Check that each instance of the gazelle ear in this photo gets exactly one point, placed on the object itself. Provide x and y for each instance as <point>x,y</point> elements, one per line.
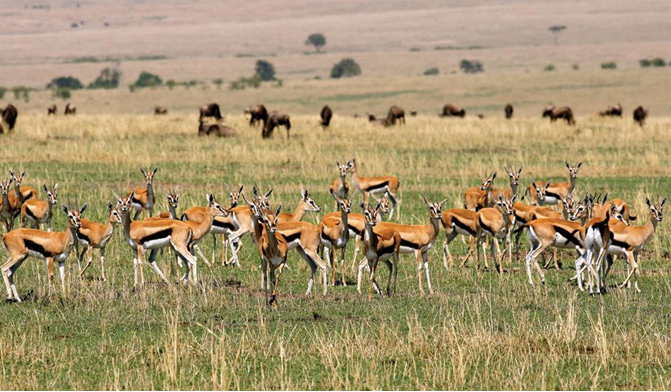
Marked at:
<point>333,193</point>
<point>605,197</point>
<point>661,205</point>
<point>110,207</point>
<point>118,199</point>
<point>210,198</point>
<point>520,171</point>
<point>338,163</point>
<point>277,212</point>
<point>241,186</point>
<point>132,194</point>
<point>443,202</point>
<point>45,188</point>
<point>647,201</point>
<point>512,201</point>
<point>363,206</point>
<point>378,206</point>
<point>255,191</point>
<point>548,184</point>
<point>426,201</point>
<point>304,193</point>
<point>493,176</point>
<point>155,170</point>
<point>567,165</point>
<point>269,192</point>
<point>23,174</point>
<point>65,208</point>
<point>56,186</point>
<point>84,207</point>
<point>143,172</point>
<point>579,164</point>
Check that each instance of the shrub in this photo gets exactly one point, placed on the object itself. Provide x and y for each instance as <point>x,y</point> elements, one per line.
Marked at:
<point>21,91</point>
<point>549,68</point>
<point>575,67</point>
<point>3,90</point>
<point>644,63</point>
<point>242,83</point>
<point>609,65</point>
<point>108,78</point>
<point>62,93</point>
<point>431,71</point>
<point>317,40</point>
<point>415,50</point>
<point>147,79</point>
<point>471,66</point>
<point>346,68</point>
<point>218,82</point>
<point>171,84</point>
<point>658,62</point>
<point>67,82</point>
<point>265,70</point>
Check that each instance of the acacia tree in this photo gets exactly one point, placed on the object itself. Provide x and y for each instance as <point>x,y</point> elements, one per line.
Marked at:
<point>317,40</point>
<point>555,30</point>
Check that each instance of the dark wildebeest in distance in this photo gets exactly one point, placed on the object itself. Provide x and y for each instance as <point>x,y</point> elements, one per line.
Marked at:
<point>52,110</point>
<point>70,109</point>
<point>612,111</point>
<point>210,110</point>
<point>450,110</point>
<point>257,114</point>
<point>481,116</point>
<point>159,110</point>
<point>326,115</point>
<point>395,113</point>
<point>275,119</point>
<point>8,116</point>
<point>563,112</point>
<point>509,111</point>
<point>413,113</point>
<point>639,115</point>
<point>219,130</point>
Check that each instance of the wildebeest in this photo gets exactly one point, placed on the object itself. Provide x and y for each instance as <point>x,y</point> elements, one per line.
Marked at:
<point>257,114</point>
<point>8,116</point>
<point>326,115</point>
<point>380,121</point>
<point>509,111</point>
<point>450,110</point>
<point>563,112</point>
<point>52,110</point>
<point>70,109</point>
<point>612,111</point>
<point>210,110</point>
<point>481,116</point>
<point>395,113</point>
<point>160,110</point>
<point>639,115</point>
<point>275,119</point>
<point>220,130</point>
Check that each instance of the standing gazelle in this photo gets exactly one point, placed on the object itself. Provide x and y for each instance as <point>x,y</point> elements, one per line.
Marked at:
<point>480,197</point>
<point>7,212</point>
<point>93,235</point>
<point>200,220</point>
<point>39,211</point>
<point>495,223</point>
<point>339,186</point>
<point>24,243</point>
<point>273,251</point>
<point>143,198</point>
<point>380,244</point>
<point>514,177</point>
<point>334,235</point>
<point>373,185</point>
<point>21,192</point>
<point>554,191</point>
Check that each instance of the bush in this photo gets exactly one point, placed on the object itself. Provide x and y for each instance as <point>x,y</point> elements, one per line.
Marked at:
<point>346,68</point>
<point>21,91</point>
<point>62,93</point>
<point>431,71</point>
<point>265,70</point>
<point>415,50</point>
<point>549,68</point>
<point>658,62</point>
<point>317,40</point>
<point>575,67</point>
<point>147,79</point>
<point>3,90</point>
<point>108,78</point>
<point>171,84</point>
<point>218,82</point>
<point>471,66</point>
<point>644,63</point>
<point>67,82</point>
<point>609,65</point>
<point>242,83</point>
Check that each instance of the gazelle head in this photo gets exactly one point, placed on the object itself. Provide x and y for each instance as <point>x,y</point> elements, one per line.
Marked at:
<point>435,208</point>
<point>115,215</point>
<point>74,216</point>
<point>17,179</point>
<point>352,165</point>
<point>488,182</point>
<point>215,208</point>
<point>514,175</point>
<point>506,206</point>
<point>615,213</point>
<point>149,175</point>
<point>270,221</point>
<point>656,210</point>
<point>383,203</point>
<point>125,204</point>
<point>4,186</point>
<point>173,199</point>
<point>262,200</point>
<point>370,214</point>
<point>343,169</point>
<point>573,170</point>
<point>312,206</point>
<point>344,204</point>
<point>235,196</point>
<point>579,210</point>
<point>52,196</point>
<point>540,190</point>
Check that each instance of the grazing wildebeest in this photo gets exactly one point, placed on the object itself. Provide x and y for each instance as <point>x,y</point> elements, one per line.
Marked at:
<point>563,112</point>
<point>218,130</point>
<point>639,115</point>
<point>52,110</point>
<point>450,110</point>
<point>70,109</point>
<point>210,110</point>
<point>160,110</point>
<point>8,116</point>
<point>257,114</point>
<point>413,113</point>
<point>509,111</point>
<point>612,111</point>
<point>326,115</point>
<point>275,119</point>
<point>395,113</point>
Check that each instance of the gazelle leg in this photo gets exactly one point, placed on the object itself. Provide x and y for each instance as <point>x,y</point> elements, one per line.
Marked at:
<point>418,256</point>
<point>202,256</point>
<point>373,267</point>
<point>8,271</point>
<point>88,250</point>
<point>50,269</point>
<point>102,264</point>
<point>61,273</point>
<point>426,270</point>
<point>342,265</point>
<point>362,264</point>
<point>391,272</point>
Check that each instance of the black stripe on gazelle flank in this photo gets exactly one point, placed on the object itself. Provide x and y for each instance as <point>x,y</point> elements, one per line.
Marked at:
<point>156,236</point>
<point>83,237</point>
<point>568,235</point>
<point>377,186</point>
<point>550,194</point>
<point>35,247</point>
<point>30,213</point>
<point>462,226</point>
<point>484,226</point>
<point>292,237</point>
<point>409,244</point>
<point>224,225</point>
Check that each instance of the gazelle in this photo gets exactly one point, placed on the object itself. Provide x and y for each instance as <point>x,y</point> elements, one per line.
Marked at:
<point>7,212</point>
<point>200,220</point>
<point>39,211</point>
<point>600,208</point>
<point>339,186</point>
<point>458,221</point>
<point>245,222</point>
<point>482,196</point>
<point>334,234</point>
<point>373,185</point>
<point>143,198</point>
<point>555,191</point>
<point>417,239</point>
<point>24,243</point>
<point>21,192</point>
<point>305,204</point>
<point>514,177</point>
<point>93,235</point>
<point>380,244</point>
<point>225,226</point>
<point>152,235</point>
<point>173,203</point>
<point>495,223</point>
<point>273,251</point>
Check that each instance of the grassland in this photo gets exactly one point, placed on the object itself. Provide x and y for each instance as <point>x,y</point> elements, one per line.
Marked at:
<point>478,331</point>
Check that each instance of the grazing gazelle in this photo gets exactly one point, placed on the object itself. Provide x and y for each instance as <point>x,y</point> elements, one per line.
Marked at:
<point>480,197</point>
<point>200,220</point>
<point>93,235</point>
<point>143,198</point>
<point>417,239</point>
<point>39,211</point>
<point>554,191</point>
<point>153,235</point>
<point>495,223</point>
<point>373,185</point>
<point>24,243</point>
<point>334,234</point>
<point>380,244</point>
<point>273,251</point>
<point>340,186</point>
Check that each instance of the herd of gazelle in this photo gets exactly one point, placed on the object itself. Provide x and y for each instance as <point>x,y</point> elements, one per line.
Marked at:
<point>595,227</point>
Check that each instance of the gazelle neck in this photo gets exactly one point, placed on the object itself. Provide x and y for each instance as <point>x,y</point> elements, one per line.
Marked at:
<point>5,202</point>
<point>513,188</point>
<point>19,195</point>
<point>344,229</point>
<point>125,224</point>
<point>571,183</point>
<point>173,211</point>
<point>273,244</point>
<point>369,235</point>
<point>150,194</point>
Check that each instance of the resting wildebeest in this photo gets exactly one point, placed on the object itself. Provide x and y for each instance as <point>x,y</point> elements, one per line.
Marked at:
<point>509,111</point>
<point>219,130</point>
<point>257,114</point>
<point>275,119</point>
<point>612,111</point>
<point>380,121</point>
<point>450,110</point>
<point>210,110</point>
<point>52,110</point>
<point>70,109</point>
<point>160,110</point>
<point>639,115</point>
<point>326,115</point>
<point>563,112</point>
<point>395,113</point>
<point>8,116</point>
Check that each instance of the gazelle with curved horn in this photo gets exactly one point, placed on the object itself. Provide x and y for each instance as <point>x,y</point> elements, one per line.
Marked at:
<point>21,192</point>
<point>480,197</point>
<point>495,223</point>
<point>200,220</point>
<point>143,198</point>
<point>273,251</point>
<point>373,185</point>
<point>93,235</point>
<point>39,211</point>
<point>554,191</point>
<point>334,234</point>
<point>380,244</point>
<point>340,186</point>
